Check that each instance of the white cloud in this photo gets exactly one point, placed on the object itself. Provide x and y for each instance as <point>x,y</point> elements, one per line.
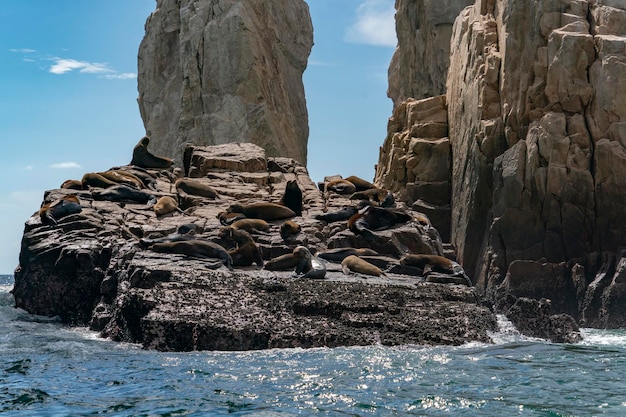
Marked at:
<point>122,76</point>
<point>375,24</point>
<point>29,167</point>
<point>65,165</point>
<point>61,66</point>
<point>23,50</point>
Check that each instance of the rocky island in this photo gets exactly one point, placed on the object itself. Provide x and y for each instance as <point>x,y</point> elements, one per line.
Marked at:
<point>505,158</point>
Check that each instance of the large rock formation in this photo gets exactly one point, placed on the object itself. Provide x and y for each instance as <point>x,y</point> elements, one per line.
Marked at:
<point>221,71</point>
<point>96,267</point>
<point>535,101</point>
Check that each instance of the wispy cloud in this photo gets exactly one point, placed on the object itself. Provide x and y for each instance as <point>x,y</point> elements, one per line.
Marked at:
<point>123,76</point>
<point>375,24</point>
<point>61,66</point>
<point>23,51</point>
<point>65,165</point>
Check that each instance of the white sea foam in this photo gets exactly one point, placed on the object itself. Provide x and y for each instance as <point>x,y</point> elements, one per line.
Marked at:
<point>507,333</point>
<point>602,337</point>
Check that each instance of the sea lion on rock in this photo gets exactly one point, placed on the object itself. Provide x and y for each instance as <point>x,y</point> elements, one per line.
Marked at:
<point>377,196</point>
<point>340,186</point>
<point>355,264</point>
<point>308,266</point>
<point>292,197</point>
<point>246,252</point>
<point>124,193</point>
<point>253,226</point>
<point>95,179</point>
<point>50,213</point>
<point>121,177</point>
<point>262,210</point>
<point>195,188</point>
<point>144,159</point>
<point>337,216</point>
<point>359,183</point>
<point>339,254</point>
<point>72,185</point>
<point>436,264</point>
<point>196,248</point>
<point>226,218</point>
<point>284,262</point>
<point>289,228</point>
<point>375,218</point>
<point>165,205</point>
<point>184,232</point>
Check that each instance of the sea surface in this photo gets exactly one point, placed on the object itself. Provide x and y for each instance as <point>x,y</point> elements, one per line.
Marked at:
<point>47,369</point>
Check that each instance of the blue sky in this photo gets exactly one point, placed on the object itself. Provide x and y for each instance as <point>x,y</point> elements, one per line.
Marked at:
<point>69,94</point>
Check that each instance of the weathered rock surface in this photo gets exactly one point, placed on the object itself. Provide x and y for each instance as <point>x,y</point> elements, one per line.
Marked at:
<point>535,102</point>
<point>420,63</point>
<point>221,71</point>
<point>95,267</point>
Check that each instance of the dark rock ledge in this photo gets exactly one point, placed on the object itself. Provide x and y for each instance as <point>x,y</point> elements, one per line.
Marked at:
<point>90,269</point>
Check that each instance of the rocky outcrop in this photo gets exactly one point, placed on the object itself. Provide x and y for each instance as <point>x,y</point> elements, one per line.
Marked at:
<point>535,104</point>
<point>101,267</point>
<point>420,63</point>
<point>221,71</point>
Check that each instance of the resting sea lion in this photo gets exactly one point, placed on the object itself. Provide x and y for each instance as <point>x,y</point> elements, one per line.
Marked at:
<point>289,228</point>
<point>339,254</point>
<point>340,187</point>
<point>165,205</point>
<point>123,193</point>
<point>263,210</point>
<point>247,252</point>
<point>95,179</point>
<point>196,248</point>
<point>359,183</point>
<point>227,218</point>
<point>375,218</point>
<point>195,188</point>
<point>378,196</point>
<point>72,185</point>
<point>120,177</point>
<point>337,216</point>
<point>284,262</point>
<point>434,263</point>
<point>308,266</point>
<point>184,232</point>
<point>355,264</point>
<point>144,159</point>
<point>292,197</point>
<point>254,226</point>
<point>50,213</point>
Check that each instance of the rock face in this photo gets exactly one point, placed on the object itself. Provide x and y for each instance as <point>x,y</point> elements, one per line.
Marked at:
<point>101,267</point>
<point>419,66</point>
<point>220,71</point>
<point>535,100</point>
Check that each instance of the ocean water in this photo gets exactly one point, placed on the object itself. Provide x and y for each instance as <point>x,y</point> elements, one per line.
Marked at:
<point>50,370</point>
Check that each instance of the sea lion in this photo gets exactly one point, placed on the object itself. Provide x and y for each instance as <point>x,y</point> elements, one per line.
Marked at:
<point>195,188</point>
<point>337,216</point>
<point>50,213</point>
<point>72,185</point>
<point>436,264</point>
<point>340,186</point>
<point>355,264</point>
<point>124,193</point>
<point>263,210</point>
<point>359,183</point>
<point>148,180</point>
<point>184,232</point>
<point>95,179</point>
<point>253,226</point>
<point>246,252</point>
<point>284,262</point>
<point>120,177</point>
<point>375,218</point>
<point>226,218</point>
<point>165,205</point>
<point>377,196</point>
<point>308,266</point>
<point>292,197</point>
<point>289,228</point>
<point>144,159</point>
<point>339,254</point>
<point>196,248</point>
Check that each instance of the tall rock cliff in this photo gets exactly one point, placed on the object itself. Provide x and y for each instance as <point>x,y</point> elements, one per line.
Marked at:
<point>535,97</point>
<point>220,71</point>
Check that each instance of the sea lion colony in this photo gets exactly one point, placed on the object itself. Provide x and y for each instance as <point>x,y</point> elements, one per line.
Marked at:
<point>367,211</point>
